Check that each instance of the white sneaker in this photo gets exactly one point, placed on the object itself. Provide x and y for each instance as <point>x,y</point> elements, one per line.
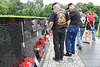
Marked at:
<point>30,36</point>
<point>93,41</point>
<point>26,36</point>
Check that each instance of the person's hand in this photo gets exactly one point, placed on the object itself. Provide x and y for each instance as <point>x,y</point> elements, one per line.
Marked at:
<point>65,29</point>
<point>50,29</point>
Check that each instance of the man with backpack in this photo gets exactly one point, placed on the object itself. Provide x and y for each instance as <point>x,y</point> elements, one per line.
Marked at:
<point>81,30</point>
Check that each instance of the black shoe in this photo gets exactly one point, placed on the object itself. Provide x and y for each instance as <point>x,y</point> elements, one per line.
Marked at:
<point>88,42</point>
<point>61,58</point>
<point>67,54</point>
<point>84,42</point>
<point>56,59</point>
<point>73,52</point>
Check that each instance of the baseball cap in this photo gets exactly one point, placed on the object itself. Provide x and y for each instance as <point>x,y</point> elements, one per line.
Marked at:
<point>69,5</point>
<point>54,4</point>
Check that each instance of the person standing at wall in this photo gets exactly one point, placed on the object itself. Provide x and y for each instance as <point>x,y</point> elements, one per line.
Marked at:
<point>89,24</point>
<point>81,30</point>
<point>96,25</point>
<point>58,23</point>
<point>72,29</point>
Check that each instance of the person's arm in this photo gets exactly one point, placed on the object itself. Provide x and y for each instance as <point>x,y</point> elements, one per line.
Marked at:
<point>50,25</point>
<point>94,21</point>
<point>86,24</point>
<point>52,17</point>
<point>68,22</point>
<point>87,21</point>
<point>67,19</point>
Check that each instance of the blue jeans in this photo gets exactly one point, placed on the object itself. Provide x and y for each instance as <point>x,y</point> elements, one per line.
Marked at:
<point>70,38</point>
<point>79,37</point>
<point>93,34</point>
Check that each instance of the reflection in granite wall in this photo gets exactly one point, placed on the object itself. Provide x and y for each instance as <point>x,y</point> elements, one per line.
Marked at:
<point>16,31</point>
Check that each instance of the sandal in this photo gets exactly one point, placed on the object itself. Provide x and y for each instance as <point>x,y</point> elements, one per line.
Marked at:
<point>88,42</point>
<point>84,42</point>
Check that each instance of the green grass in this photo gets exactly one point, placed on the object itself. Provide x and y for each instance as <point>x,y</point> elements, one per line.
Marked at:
<point>22,16</point>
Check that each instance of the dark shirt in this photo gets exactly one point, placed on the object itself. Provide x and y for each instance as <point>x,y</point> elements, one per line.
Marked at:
<point>83,20</point>
<point>96,18</point>
<point>60,17</point>
<point>75,17</point>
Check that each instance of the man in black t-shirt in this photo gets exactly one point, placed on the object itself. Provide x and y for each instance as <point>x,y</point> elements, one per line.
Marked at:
<point>72,30</point>
<point>58,23</point>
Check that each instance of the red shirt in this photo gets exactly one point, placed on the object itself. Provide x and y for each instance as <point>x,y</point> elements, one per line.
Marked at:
<point>90,18</point>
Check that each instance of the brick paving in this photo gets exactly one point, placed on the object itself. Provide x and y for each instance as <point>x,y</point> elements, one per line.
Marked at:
<point>49,62</point>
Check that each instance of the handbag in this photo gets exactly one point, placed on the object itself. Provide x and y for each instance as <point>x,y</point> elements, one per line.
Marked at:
<point>91,27</point>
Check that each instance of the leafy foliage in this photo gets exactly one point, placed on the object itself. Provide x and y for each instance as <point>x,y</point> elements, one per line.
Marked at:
<point>36,8</point>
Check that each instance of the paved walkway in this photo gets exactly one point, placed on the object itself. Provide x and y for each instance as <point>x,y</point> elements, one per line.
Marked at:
<point>88,57</point>
<point>49,62</point>
<point>90,54</point>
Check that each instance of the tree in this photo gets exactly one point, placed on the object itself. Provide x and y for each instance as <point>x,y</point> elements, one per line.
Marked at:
<point>63,6</point>
<point>97,8</point>
<point>79,5</point>
<point>12,8</point>
<point>39,3</point>
<point>35,8</point>
<point>85,7</point>
<point>3,8</point>
<point>46,11</point>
